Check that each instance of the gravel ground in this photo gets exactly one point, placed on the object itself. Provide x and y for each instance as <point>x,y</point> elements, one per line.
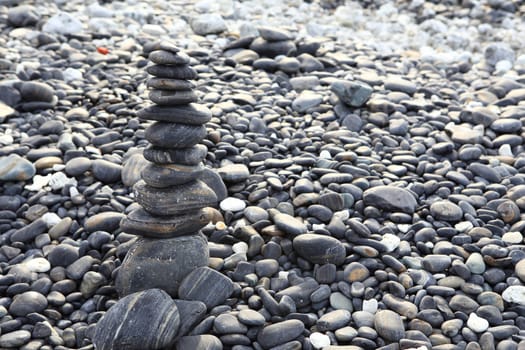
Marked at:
<point>372,154</point>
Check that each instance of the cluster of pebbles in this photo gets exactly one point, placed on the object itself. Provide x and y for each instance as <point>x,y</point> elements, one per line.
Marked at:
<point>367,199</point>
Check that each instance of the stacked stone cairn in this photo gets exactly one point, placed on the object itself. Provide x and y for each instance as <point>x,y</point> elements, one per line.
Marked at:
<point>170,258</point>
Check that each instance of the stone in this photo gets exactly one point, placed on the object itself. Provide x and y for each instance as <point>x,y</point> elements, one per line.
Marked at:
<point>144,320</point>
<point>306,100</point>
<point>279,333</point>
<point>15,168</point>
<point>155,263</point>
<point>174,135</point>
<point>390,198</point>
<point>191,313</point>
<point>352,93</point>
<point>200,342</point>
<point>232,204</point>
<point>334,320</point>
<point>172,97</point>
<point>184,156</point>
<point>106,171</point>
<point>26,303</point>
<point>477,324</point>
<point>140,222</point>
<point>319,340</point>
<point>499,51</point>
<point>389,325</point>
<point>174,200</point>
<point>289,224</point>
<point>274,34</point>
<point>210,23</point>
<point>396,83</point>
<point>105,221</point>
<point>514,294</point>
<point>29,232</point>
<point>5,111</point>
<point>234,172</point>
<point>319,249</point>
<point>273,48</point>
<point>170,84</point>
<point>355,272</point>
<point>167,57</point>
<point>36,91</point>
<point>77,166</point>
<point>199,282</point>
<point>192,113</point>
<point>227,324</point>
<point>132,168</point>
<point>214,181</point>
<point>519,269</point>
<point>436,262</point>
<point>475,263</point>
<point>168,175</point>
<point>22,16</point>
<point>63,255</point>
<point>172,72</point>
<point>63,23</point>
<point>15,339</point>
<point>251,317</point>
<point>446,210</point>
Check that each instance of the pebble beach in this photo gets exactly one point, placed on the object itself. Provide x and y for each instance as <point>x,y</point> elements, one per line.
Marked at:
<point>362,165</point>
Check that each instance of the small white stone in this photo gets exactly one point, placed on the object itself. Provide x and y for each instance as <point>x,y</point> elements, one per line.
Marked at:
<point>51,219</point>
<point>512,237</point>
<point>72,74</point>
<point>96,10</point>
<point>505,150</point>
<point>210,23</point>
<point>475,263</point>
<point>240,247</point>
<point>463,226</point>
<point>370,305</point>
<point>39,182</point>
<point>503,66</point>
<point>37,265</point>
<point>404,227</point>
<point>63,23</point>
<point>391,242</point>
<point>60,180</point>
<point>232,204</point>
<point>477,324</point>
<point>514,294</point>
<point>325,155</point>
<point>319,340</point>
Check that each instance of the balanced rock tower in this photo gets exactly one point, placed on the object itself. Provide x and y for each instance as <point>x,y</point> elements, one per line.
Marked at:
<point>172,198</point>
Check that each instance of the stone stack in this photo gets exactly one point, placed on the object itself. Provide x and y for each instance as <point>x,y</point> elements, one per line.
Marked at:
<point>173,201</point>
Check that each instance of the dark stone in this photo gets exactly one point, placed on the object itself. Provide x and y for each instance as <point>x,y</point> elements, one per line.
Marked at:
<point>174,200</point>
<point>390,198</point>
<point>187,156</point>
<point>36,91</point>
<point>26,303</point>
<point>279,333</point>
<point>168,58</point>
<point>173,135</point>
<point>167,175</point>
<point>192,113</point>
<point>273,48</point>
<point>144,320</point>
<point>319,249</point>
<point>170,84</point>
<point>199,342</point>
<point>106,171</point>
<point>63,255</point>
<point>206,285</point>
<point>172,97</point>
<point>105,221</point>
<point>389,325</point>
<point>140,222</point>
<point>155,263</point>
<point>214,181</point>
<point>191,313</point>
<point>172,72</point>
<point>29,232</point>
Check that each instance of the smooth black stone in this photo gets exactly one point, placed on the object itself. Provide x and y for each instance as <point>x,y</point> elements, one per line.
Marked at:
<point>174,200</point>
<point>214,181</point>
<point>26,303</point>
<point>63,255</point>
<point>143,320</point>
<point>29,232</point>
<point>106,171</point>
<point>187,156</point>
<point>168,58</point>
<point>200,342</point>
<point>193,114</point>
<point>172,97</point>
<point>279,333</point>
<point>319,249</point>
<point>36,91</point>
<point>174,135</point>
<point>161,263</point>
<point>390,198</point>
<point>105,221</point>
<point>167,175</point>
<point>164,45</point>
<point>191,313</point>
<point>272,49</point>
<point>198,284</point>
<point>172,72</point>
<point>170,84</point>
<point>140,222</point>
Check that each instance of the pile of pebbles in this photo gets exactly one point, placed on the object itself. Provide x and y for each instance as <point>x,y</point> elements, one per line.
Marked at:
<point>368,198</point>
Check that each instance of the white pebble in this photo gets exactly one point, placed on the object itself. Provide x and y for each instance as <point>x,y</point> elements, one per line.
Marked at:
<point>72,74</point>
<point>37,265</point>
<point>503,66</point>
<point>240,247</point>
<point>232,204</point>
<point>505,150</point>
<point>512,237</point>
<point>319,340</point>
<point>514,294</point>
<point>63,23</point>
<point>39,182</point>
<point>477,324</point>
<point>325,155</point>
<point>391,242</point>
<point>51,219</point>
<point>370,305</point>
<point>463,226</point>
<point>60,180</point>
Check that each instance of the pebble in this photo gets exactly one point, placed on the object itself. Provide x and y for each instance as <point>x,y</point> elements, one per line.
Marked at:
<point>197,284</point>
<point>279,333</point>
<point>26,303</point>
<point>390,198</point>
<point>232,204</point>
<point>319,340</point>
<point>477,324</point>
<point>148,319</point>
<point>15,339</point>
<point>319,249</point>
<point>208,24</point>
<point>352,93</point>
<point>446,210</point>
<point>389,325</point>
<point>16,168</point>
